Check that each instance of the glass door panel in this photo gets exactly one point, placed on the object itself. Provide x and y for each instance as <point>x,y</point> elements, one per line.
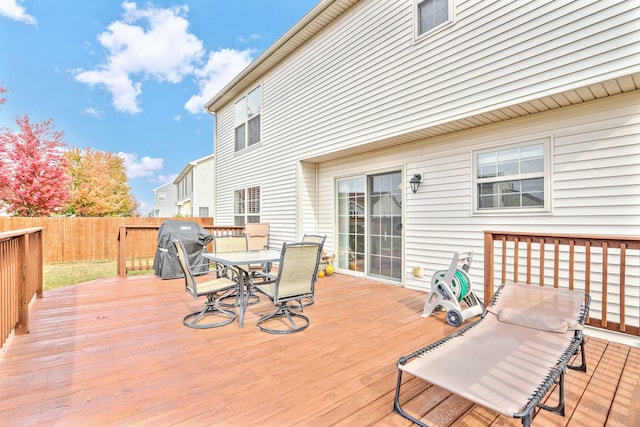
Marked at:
<point>385,225</point>
<point>351,224</point>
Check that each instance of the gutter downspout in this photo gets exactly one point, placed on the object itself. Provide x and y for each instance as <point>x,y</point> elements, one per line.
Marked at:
<point>215,166</point>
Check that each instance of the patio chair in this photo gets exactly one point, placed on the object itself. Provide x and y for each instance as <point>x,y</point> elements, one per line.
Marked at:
<point>226,281</point>
<point>258,238</point>
<point>257,235</point>
<point>511,358</point>
<point>236,243</point>
<point>295,280</point>
<point>313,238</point>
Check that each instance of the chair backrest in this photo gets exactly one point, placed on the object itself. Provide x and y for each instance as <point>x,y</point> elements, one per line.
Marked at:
<point>229,244</point>
<point>314,238</point>
<point>190,283</point>
<point>257,235</point>
<point>296,271</point>
<point>235,243</point>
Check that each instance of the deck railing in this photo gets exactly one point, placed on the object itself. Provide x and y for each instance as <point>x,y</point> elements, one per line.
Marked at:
<point>20,278</point>
<point>607,267</point>
<point>137,245</point>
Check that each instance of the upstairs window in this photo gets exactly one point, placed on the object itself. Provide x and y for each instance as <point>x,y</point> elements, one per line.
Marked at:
<point>247,119</point>
<point>246,206</point>
<point>513,178</point>
<point>433,13</point>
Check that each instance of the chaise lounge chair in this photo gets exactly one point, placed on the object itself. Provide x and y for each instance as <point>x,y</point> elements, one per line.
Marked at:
<point>509,360</point>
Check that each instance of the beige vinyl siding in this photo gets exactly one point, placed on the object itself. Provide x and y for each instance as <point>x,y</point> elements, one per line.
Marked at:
<point>226,177</point>
<point>367,80</point>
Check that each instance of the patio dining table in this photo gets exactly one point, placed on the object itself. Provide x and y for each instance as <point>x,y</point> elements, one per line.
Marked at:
<point>241,261</point>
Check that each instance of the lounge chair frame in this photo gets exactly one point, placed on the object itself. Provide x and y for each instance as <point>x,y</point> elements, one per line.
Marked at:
<point>555,375</point>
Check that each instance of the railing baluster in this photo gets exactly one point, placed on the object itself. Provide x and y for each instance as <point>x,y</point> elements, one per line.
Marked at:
<point>572,244</point>
<point>556,261</point>
<point>542,262</point>
<point>504,259</point>
<point>623,275</point>
<point>515,260</point>
<point>528,260</point>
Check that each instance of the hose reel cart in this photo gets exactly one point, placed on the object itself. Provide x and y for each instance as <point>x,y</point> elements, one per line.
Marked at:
<point>451,290</point>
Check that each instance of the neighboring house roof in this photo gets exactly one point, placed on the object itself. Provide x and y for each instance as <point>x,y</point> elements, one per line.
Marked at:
<point>190,166</point>
<point>163,186</point>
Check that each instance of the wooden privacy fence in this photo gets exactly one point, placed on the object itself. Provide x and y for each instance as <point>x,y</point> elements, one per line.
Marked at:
<point>68,239</point>
<point>137,245</point>
<point>607,267</point>
<point>20,278</point>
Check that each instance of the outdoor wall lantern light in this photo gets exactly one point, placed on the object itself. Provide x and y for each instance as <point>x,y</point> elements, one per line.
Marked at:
<point>415,182</point>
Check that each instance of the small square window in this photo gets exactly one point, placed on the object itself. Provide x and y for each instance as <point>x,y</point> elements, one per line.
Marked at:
<point>432,13</point>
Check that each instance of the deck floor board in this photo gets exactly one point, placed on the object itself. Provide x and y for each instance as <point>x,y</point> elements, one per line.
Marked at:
<point>114,352</point>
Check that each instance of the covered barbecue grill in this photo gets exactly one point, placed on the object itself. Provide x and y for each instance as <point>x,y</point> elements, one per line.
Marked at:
<point>195,239</point>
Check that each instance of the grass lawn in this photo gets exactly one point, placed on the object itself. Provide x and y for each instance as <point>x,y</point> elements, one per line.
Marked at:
<point>57,275</point>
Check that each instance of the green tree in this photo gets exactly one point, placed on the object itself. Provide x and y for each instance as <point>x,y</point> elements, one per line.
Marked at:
<point>99,184</point>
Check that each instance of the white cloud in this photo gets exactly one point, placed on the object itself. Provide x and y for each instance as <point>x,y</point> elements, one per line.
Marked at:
<point>221,67</point>
<point>146,166</point>
<point>164,179</point>
<point>149,43</point>
<point>13,9</point>
<point>93,112</point>
<point>243,40</point>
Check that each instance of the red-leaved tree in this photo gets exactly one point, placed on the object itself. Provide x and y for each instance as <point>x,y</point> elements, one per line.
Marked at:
<point>34,180</point>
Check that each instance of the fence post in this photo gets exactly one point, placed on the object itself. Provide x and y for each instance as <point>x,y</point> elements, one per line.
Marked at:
<point>23,299</point>
<point>122,252</point>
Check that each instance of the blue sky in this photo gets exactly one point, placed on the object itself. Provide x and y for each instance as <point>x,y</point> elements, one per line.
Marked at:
<point>132,77</point>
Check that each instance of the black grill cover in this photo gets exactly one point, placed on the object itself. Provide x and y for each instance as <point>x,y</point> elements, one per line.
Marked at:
<point>193,236</point>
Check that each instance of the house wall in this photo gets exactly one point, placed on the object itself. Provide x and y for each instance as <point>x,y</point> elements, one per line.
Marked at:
<point>203,178</point>
<point>365,79</point>
<point>185,192</point>
<point>166,208</point>
<point>595,183</point>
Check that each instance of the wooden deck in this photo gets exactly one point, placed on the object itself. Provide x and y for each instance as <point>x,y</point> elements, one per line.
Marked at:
<point>114,352</point>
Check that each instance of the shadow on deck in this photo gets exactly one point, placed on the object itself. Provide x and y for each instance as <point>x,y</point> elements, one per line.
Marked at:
<point>115,352</point>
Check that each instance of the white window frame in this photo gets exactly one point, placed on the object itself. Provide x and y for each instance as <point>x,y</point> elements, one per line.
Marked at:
<point>242,116</point>
<point>546,142</point>
<point>203,212</point>
<point>250,213</point>
<point>451,17</point>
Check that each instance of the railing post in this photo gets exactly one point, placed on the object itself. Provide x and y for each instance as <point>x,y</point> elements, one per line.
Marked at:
<point>22,327</point>
<point>38,266</point>
<point>122,252</point>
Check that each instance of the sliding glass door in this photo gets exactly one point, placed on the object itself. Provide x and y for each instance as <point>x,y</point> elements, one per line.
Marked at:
<point>370,225</point>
